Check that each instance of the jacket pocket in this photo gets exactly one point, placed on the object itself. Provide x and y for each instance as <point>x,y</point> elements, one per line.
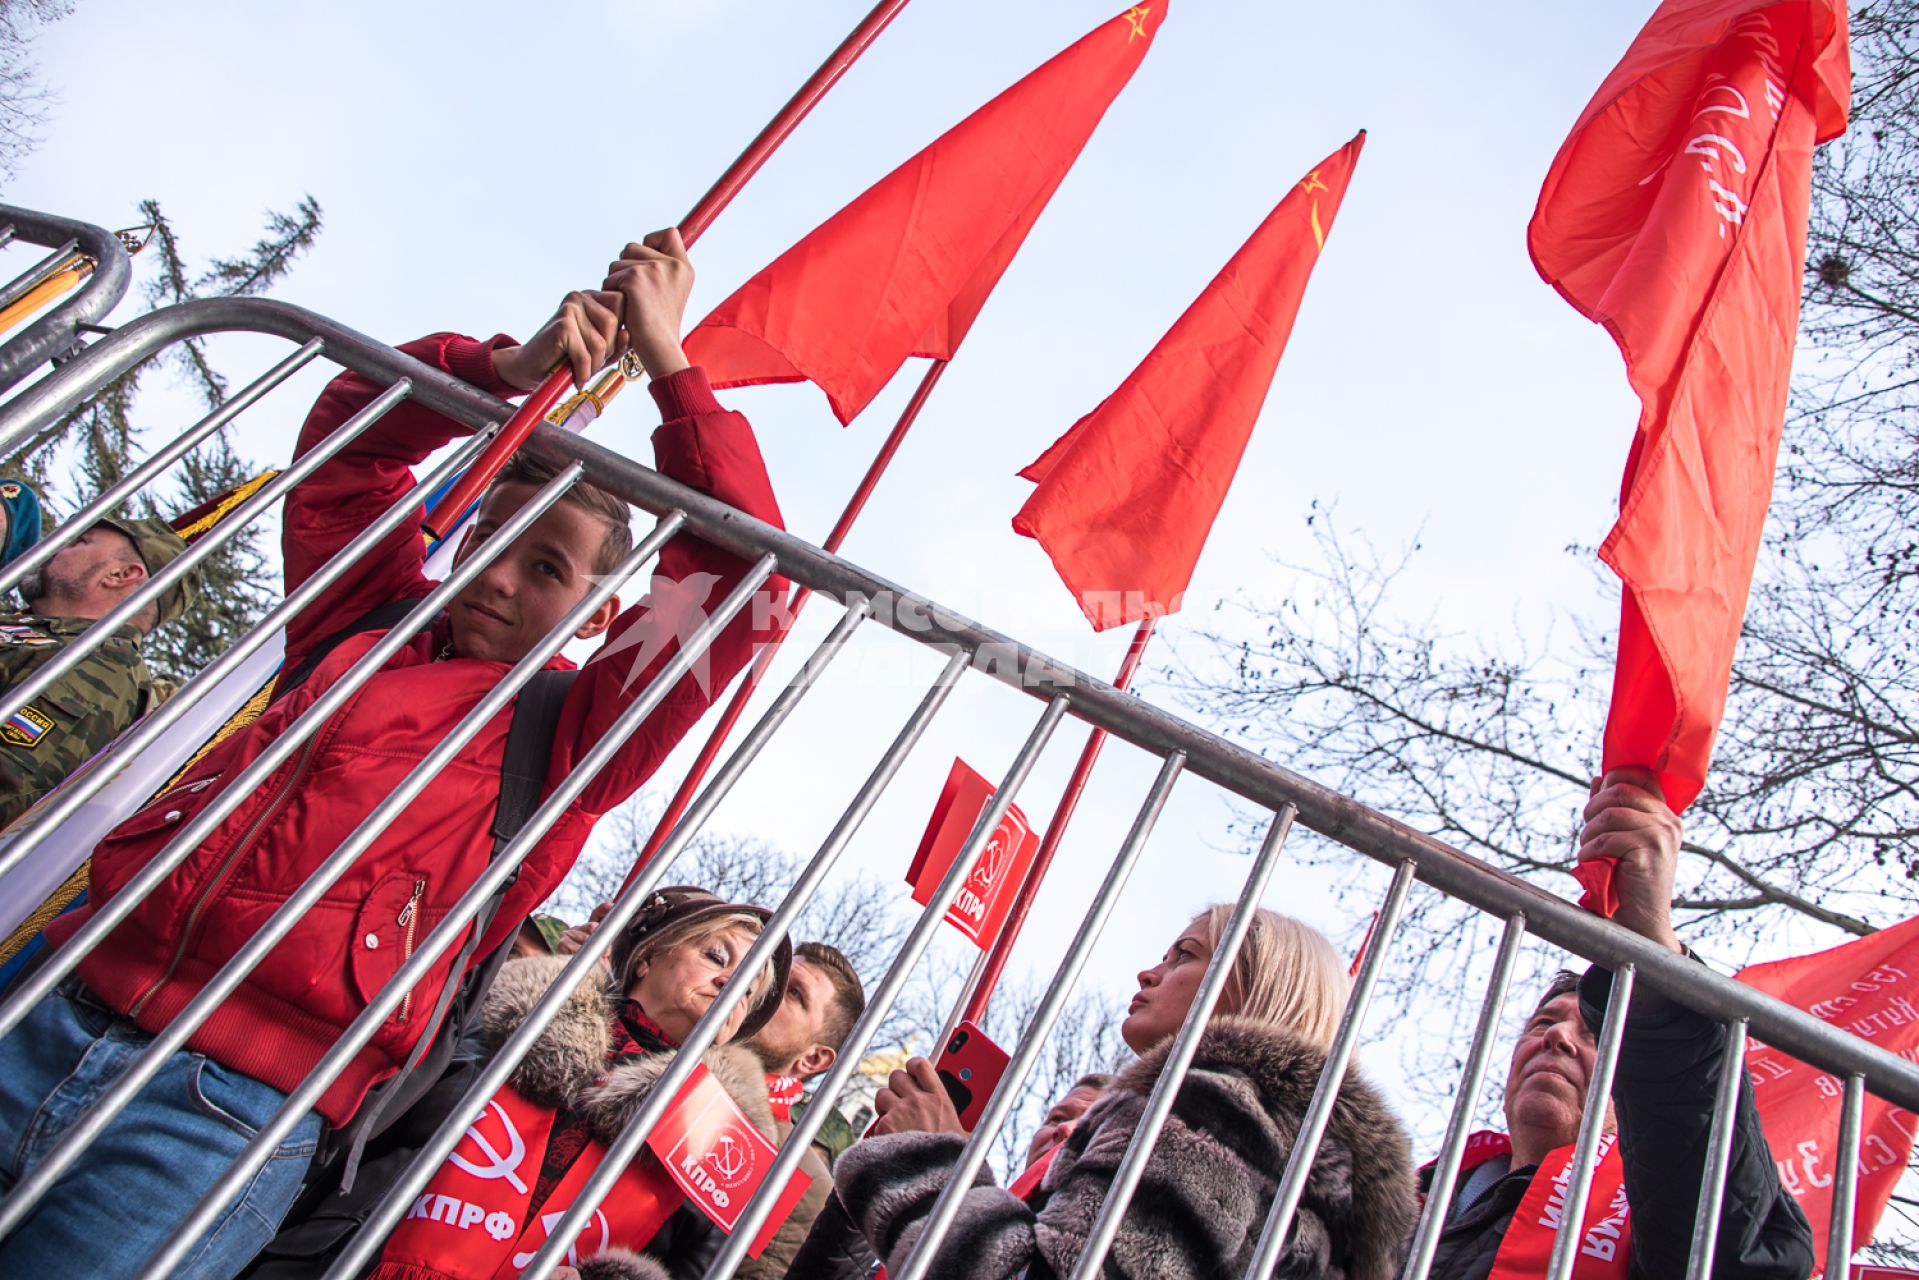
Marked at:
<point>385,932</point>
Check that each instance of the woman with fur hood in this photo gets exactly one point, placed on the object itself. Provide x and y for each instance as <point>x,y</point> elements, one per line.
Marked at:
<point>575,1091</point>
<point>1211,1180</point>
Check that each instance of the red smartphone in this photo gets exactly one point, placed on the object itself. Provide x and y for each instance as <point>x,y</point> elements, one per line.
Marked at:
<point>970,1067</point>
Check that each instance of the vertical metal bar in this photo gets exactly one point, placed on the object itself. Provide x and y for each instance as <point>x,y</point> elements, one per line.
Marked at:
<point>626,1148</point>
<point>710,750</point>
<point>1319,1112</point>
<point>993,962</point>
<point>880,1002</point>
<point>1432,1220</point>
<point>70,657</point>
<point>1612,1032</point>
<point>49,266</point>
<point>501,1064</point>
<point>1712,1183</point>
<point>7,234</point>
<point>33,989</point>
<point>28,1191</point>
<point>498,873</point>
<point>1845,1183</point>
<point>1160,1103</point>
<point>137,479</point>
<point>920,1264</point>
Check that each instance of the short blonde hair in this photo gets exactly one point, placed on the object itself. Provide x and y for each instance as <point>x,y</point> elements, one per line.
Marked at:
<point>691,934</point>
<point>1286,973</point>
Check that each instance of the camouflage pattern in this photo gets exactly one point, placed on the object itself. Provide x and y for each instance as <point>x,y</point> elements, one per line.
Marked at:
<point>80,713</point>
<point>158,546</point>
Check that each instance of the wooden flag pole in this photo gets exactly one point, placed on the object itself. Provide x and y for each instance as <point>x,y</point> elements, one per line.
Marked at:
<point>542,399</point>
<point>989,974</point>
<point>683,797</point>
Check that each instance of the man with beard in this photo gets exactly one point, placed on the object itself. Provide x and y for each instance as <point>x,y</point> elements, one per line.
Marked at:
<point>110,688</point>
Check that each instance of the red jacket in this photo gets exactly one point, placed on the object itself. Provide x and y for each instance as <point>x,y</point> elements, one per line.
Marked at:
<point>292,1007</point>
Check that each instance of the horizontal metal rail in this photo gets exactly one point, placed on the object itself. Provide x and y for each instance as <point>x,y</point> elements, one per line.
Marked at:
<point>1183,747</point>
<point>56,333</point>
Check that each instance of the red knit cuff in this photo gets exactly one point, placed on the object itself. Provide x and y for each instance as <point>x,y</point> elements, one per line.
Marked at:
<point>686,394</point>
<point>472,361</point>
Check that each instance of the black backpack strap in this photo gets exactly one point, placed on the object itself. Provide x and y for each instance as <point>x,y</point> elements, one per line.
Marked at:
<point>383,618</point>
<point>523,769</point>
<point>529,752</point>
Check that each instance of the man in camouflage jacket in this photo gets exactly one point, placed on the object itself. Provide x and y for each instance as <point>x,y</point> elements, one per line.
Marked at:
<point>110,688</point>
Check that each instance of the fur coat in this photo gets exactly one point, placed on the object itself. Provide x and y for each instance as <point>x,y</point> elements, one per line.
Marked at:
<point>562,1068</point>
<point>1207,1189</point>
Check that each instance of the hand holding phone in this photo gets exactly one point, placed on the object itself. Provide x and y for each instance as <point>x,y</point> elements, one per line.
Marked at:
<point>970,1067</point>
<point>967,1072</point>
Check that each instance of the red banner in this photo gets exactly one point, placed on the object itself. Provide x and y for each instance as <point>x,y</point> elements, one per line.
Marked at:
<point>1528,1245</point>
<point>1868,988</point>
<point>980,910</point>
<point>718,1158</point>
<point>1675,215</point>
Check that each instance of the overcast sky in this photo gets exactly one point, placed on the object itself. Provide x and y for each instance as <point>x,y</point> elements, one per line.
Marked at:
<point>475,161</point>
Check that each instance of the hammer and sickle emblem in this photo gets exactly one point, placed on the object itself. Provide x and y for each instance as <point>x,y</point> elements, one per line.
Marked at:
<point>573,1250</point>
<point>727,1159</point>
<point>498,1166</point>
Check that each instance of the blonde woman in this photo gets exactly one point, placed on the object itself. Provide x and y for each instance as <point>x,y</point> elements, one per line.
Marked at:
<point>1213,1174</point>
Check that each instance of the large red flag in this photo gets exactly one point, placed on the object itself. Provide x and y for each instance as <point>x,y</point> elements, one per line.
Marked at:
<point>1127,496</point>
<point>903,269</point>
<point>1675,215</point>
<point>1869,987</point>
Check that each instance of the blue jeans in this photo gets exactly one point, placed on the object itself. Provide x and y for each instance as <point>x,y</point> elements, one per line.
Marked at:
<point>127,1195</point>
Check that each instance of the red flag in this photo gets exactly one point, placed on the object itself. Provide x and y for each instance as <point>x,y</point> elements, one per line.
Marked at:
<point>981,909</point>
<point>1127,496</point>
<point>1675,215</point>
<point>903,269</point>
<point>1870,988</point>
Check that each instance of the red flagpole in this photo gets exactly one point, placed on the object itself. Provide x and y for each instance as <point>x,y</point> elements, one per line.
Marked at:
<point>676,807</point>
<point>541,401</point>
<point>982,992</point>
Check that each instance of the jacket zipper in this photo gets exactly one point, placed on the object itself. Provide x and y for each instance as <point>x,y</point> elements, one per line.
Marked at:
<point>408,920</point>
<point>233,857</point>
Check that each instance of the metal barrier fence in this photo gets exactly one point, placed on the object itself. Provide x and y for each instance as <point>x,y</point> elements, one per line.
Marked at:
<point>866,599</point>
<point>56,334</point>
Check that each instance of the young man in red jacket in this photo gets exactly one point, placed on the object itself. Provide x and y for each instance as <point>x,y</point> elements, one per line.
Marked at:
<point>134,1185</point>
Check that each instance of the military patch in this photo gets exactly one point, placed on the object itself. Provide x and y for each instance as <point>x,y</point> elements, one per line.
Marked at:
<point>27,727</point>
<point>19,633</point>
<point>9,491</point>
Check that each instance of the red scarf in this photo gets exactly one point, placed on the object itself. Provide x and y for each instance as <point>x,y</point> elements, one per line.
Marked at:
<point>476,1220</point>
<point>1607,1227</point>
<point>781,1093</point>
<point>1028,1181</point>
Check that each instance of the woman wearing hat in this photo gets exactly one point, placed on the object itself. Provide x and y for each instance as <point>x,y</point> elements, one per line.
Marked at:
<point>541,1136</point>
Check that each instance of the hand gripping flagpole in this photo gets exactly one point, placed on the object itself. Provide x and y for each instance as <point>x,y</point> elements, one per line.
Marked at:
<point>536,406</point>
<point>676,807</point>
<point>993,964</point>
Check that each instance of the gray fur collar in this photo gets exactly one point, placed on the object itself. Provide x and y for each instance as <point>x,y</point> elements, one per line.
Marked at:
<point>1284,1069</point>
<point>567,1062</point>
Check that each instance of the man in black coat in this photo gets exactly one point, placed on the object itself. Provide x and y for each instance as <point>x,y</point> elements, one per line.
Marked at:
<point>1662,1095</point>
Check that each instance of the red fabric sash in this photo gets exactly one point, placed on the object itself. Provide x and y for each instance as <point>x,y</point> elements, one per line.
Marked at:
<point>1528,1245</point>
<point>1028,1182</point>
<point>472,1221</point>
